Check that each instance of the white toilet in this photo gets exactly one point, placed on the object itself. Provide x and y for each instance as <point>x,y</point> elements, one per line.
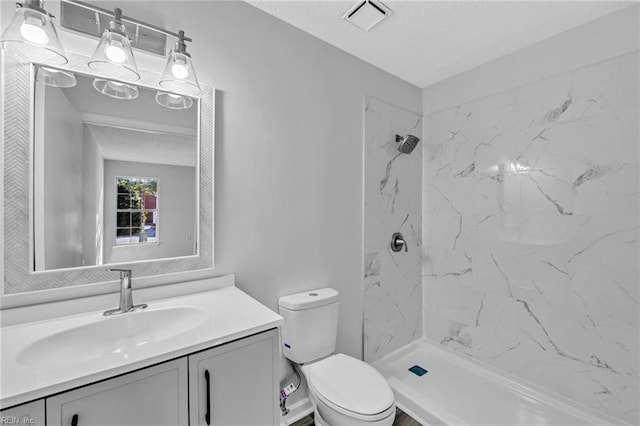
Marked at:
<point>343,390</point>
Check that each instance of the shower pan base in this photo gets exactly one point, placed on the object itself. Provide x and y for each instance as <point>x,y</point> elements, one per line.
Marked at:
<point>459,391</point>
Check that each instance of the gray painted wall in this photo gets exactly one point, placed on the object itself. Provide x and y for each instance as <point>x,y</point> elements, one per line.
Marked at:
<point>93,189</point>
<point>289,155</point>
<point>62,183</point>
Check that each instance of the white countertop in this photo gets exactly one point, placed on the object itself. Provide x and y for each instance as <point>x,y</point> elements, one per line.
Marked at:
<point>230,314</point>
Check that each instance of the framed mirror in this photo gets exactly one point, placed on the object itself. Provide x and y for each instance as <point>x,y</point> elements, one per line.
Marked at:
<point>93,182</point>
<point>113,181</point>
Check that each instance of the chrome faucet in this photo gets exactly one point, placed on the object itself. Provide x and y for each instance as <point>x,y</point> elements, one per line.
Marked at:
<point>126,298</point>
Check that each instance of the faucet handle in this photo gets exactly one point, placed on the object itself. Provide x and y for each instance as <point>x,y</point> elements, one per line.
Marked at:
<point>398,242</point>
<point>123,272</point>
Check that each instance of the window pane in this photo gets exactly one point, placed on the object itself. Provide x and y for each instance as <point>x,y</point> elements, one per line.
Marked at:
<point>136,220</point>
<point>135,202</point>
<point>123,232</point>
<point>124,201</point>
<point>148,201</point>
<point>151,232</point>
<point>150,217</point>
<point>151,186</point>
<point>123,236</point>
<point>124,219</point>
<point>123,186</point>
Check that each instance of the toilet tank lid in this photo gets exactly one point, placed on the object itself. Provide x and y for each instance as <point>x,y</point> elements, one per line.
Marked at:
<point>309,299</point>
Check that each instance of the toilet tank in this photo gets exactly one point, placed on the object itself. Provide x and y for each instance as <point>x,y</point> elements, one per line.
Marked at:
<point>310,324</point>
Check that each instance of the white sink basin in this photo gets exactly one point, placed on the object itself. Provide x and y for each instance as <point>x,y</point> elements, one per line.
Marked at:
<point>112,336</point>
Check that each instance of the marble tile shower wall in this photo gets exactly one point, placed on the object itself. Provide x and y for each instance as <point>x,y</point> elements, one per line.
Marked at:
<point>392,194</point>
<point>531,233</point>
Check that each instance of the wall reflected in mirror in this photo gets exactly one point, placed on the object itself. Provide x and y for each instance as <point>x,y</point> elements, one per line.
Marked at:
<point>114,180</point>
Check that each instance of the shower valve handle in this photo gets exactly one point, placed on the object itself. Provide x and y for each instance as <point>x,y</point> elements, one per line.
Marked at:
<point>398,242</point>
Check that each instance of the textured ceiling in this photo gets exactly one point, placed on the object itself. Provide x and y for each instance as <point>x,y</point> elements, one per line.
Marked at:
<point>425,42</point>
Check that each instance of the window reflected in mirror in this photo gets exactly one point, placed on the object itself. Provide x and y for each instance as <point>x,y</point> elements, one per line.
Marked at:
<point>136,210</point>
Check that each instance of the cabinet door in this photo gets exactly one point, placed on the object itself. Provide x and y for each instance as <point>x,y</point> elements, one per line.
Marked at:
<point>31,413</point>
<point>236,383</point>
<point>153,396</point>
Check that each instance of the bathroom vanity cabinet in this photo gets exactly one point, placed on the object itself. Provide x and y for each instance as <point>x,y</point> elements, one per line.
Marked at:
<point>234,383</point>
<point>152,396</point>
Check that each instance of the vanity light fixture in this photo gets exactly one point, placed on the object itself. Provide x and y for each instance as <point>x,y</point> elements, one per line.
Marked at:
<point>115,89</point>
<point>54,77</point>
<point>113,56</point>
<point>32,30</point>
<point>173,101</point>
<point>178,75</point>
<point>31,33</point>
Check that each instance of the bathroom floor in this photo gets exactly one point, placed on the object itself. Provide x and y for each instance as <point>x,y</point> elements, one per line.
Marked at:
<point>402,419</point>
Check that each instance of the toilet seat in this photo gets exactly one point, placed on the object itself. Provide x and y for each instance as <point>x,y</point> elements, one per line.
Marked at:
<point>350,387</point>
<point>353,415</point>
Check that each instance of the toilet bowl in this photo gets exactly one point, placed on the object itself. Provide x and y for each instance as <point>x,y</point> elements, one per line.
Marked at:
<point>343,390</point>
<point>346,391</point>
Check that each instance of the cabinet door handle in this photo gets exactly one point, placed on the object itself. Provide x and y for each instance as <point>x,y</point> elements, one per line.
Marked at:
<point>74,420</point>
<point>207,416</point>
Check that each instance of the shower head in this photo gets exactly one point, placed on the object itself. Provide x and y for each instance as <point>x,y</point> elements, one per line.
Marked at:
<point>407,143</point>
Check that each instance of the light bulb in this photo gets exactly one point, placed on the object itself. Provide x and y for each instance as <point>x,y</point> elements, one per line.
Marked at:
<point>115,89</point>
<point>115,52</point>
<point>179,71</point>
<point>173,101</point>
<point>34,33</point>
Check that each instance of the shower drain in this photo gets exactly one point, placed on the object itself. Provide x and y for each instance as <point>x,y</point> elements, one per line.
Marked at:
<point>418,371</point>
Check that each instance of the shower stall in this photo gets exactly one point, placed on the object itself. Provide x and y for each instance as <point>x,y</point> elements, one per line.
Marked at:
<point>392,205</point>
<point>520,211</point>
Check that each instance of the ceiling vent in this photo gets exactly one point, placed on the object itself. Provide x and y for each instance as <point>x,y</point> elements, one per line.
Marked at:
<point>366,14</point>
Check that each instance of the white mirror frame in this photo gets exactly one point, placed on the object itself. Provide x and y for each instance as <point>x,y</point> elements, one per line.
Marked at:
<point>17,105</point>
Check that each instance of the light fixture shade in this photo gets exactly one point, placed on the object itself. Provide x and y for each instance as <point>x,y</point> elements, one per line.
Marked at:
<point>115,89</point>
<point>113,56</point>
<point>32,35</point>
<point>179,76</point>
<point>55,78</point>
<point>173,101</point>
